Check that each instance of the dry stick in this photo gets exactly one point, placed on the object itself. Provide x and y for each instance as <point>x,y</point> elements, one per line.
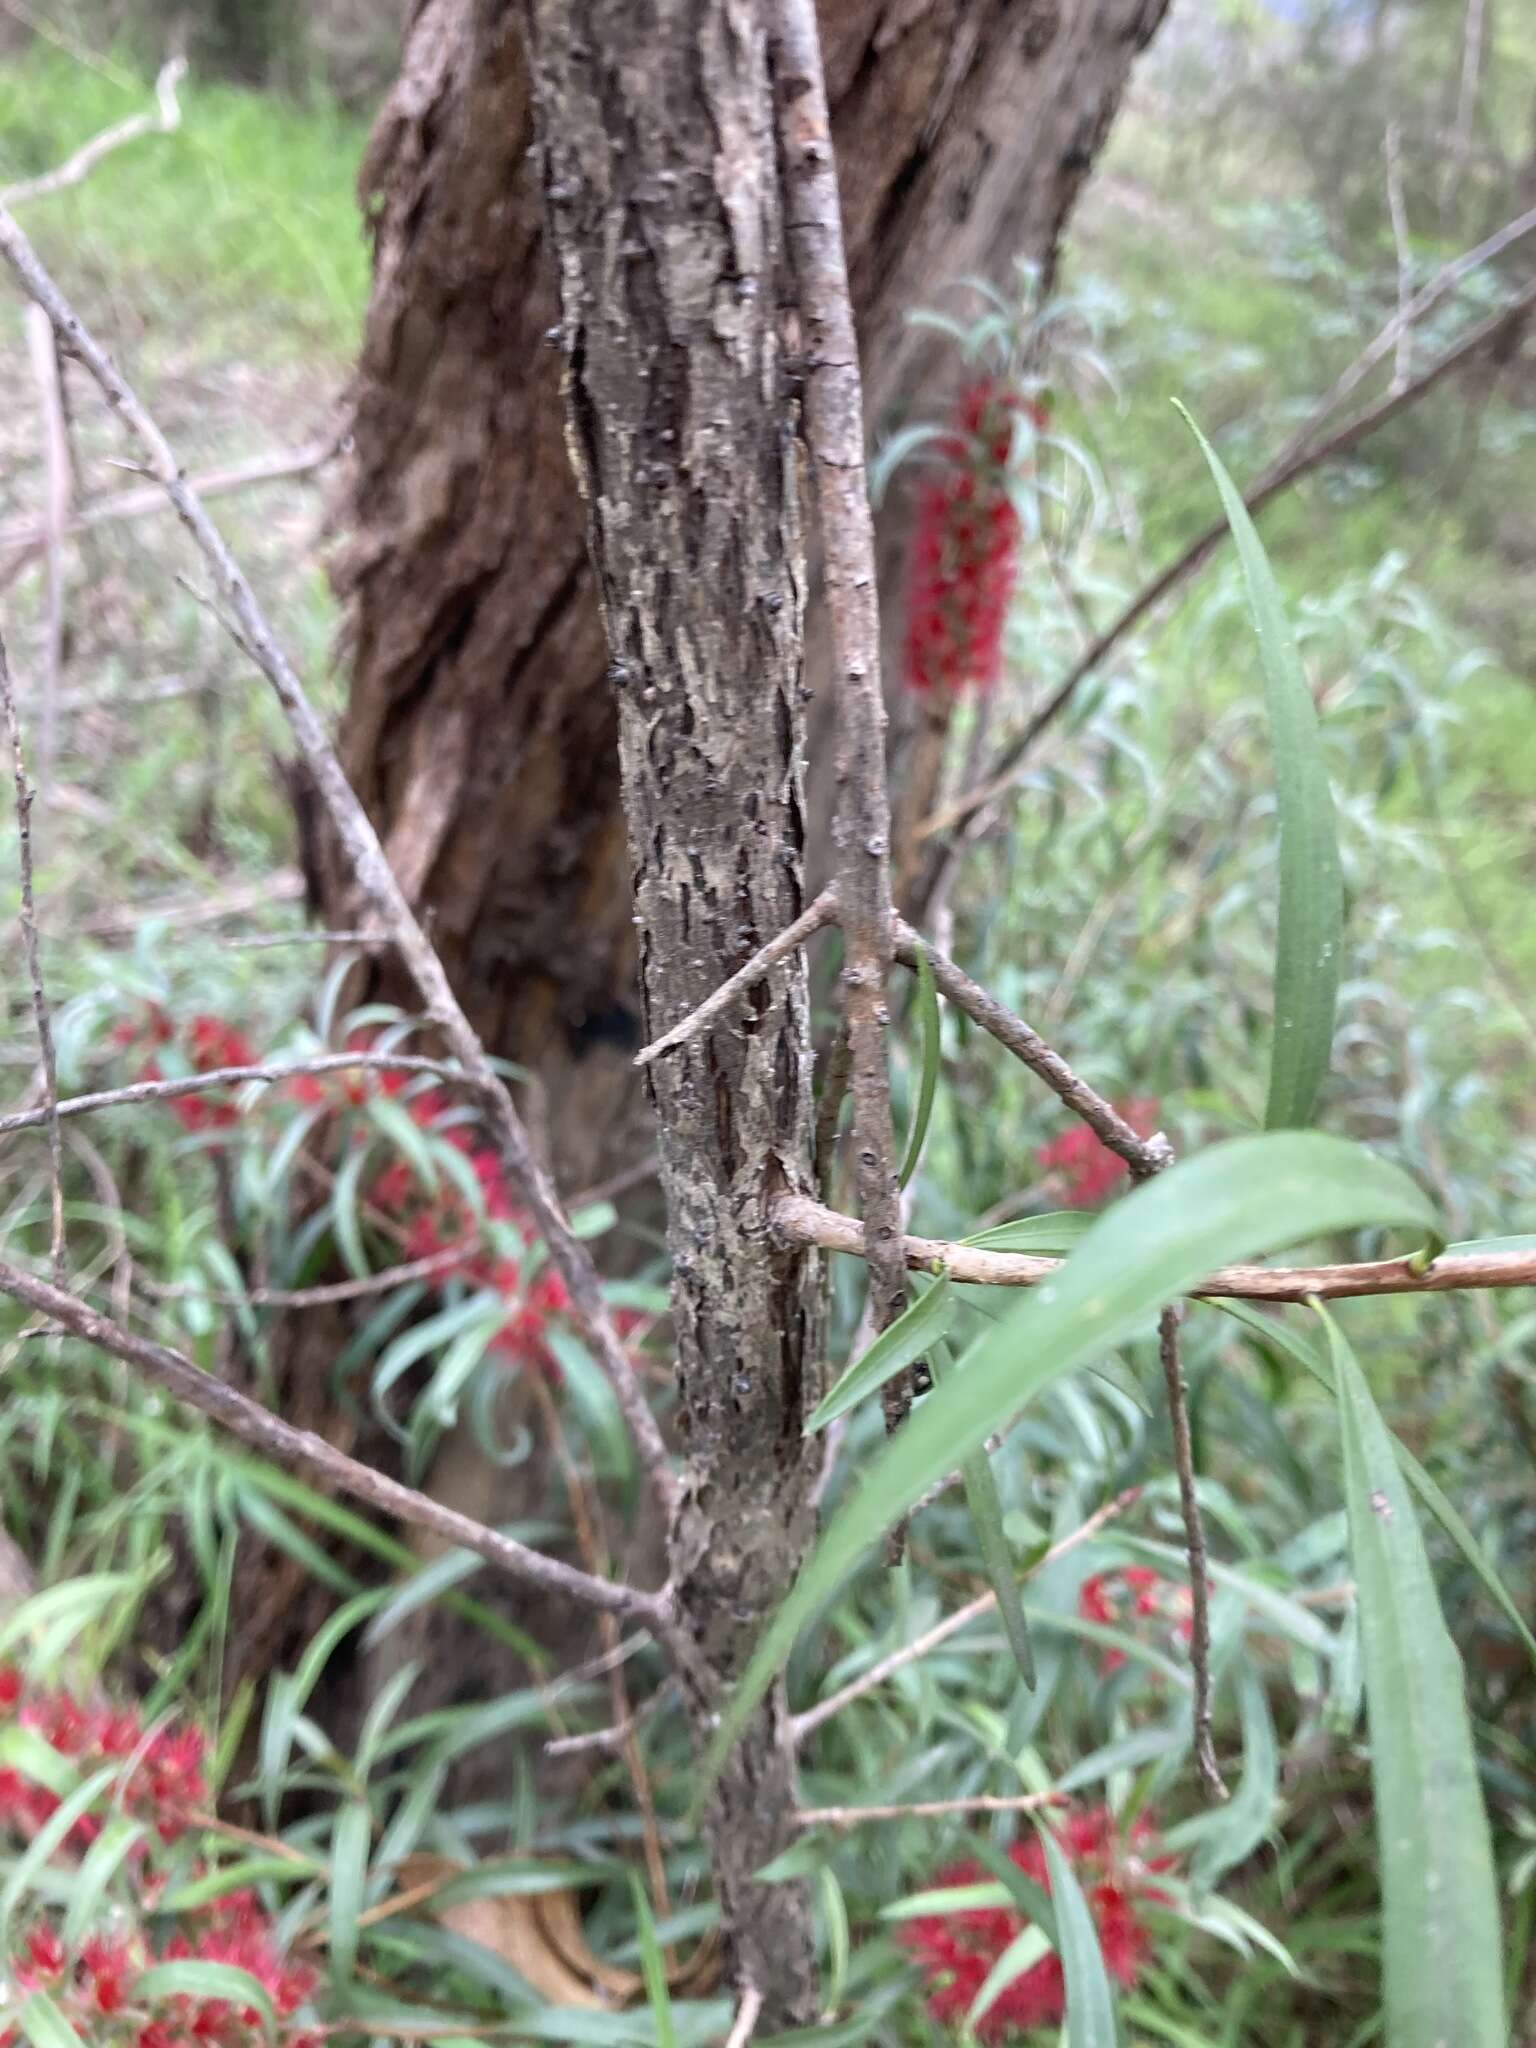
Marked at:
<point>285,886</point>
<point>229,1077</point>
<point>252,1424</point>
<point>747,2015</point>
<point>370,864</point>
<point>1194,1543</point>
<point>429,1268</point>
<point>1142,1155</point>
<point>166,117</point>
<point>834,432</point>
<point>1285,471</point>
<point>925,1809</point>
<point>807,1723</point>
<point>49,1113</point>
<point>58,471</point>
<point>1397,209</point>
<point>799,1220</point>
<point>822,911</point>
<point>26,537</point>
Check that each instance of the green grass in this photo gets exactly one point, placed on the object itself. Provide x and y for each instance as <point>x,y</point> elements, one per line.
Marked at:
<point>241,228</point>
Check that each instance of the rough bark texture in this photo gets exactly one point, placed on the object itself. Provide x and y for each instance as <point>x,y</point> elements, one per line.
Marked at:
<point>665,208</point>
<point>480,731</point>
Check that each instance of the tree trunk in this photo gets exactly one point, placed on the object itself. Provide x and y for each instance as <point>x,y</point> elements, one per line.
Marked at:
<point>669,236</point>
<point>480,730</point>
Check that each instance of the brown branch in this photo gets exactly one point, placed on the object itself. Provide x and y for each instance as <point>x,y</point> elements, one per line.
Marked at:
<point>1143,1155</point>
<point>247,1420</point>
<point>799,1220</point>
<point>166,117</point>
<point>807,1723</point>
<point>817,914</point>
<point>834,433</point>
<point>285,886</point>
<point>49,1113</point>
<point>27,538</point>
<point>59,475</point>
<point>1194,1543</point>
<point>230,1077</point>
<point>925,1809</point>
<point>748,2014</point>
<point>323,1296</point>
<point>370,864</point>
<point>1294,464</point>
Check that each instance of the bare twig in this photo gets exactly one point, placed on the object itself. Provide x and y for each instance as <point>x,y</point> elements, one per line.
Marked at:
<point>611,1738</point>
<point>822,911</point>
<point>286,886</point>
<point>748,2014</point>
<point>1397,209</point>
<point>264,940</point>
<point>925,1809</point>
<point>799,1220</point>
<point>22,539</point>
<point>59,483</point>
<point>252,1424</point>
<point>1466,100</point>
<point>231,1077</point>
<point>1194,1542</point>
<point>167,116</point>
<point>370,864</point>
<point>1142,1155</point>
<point>49,1113</point>
<point>429,1268</point>
<point>1302,456</point>
<point>807,1723</point>
<point>834,429</point>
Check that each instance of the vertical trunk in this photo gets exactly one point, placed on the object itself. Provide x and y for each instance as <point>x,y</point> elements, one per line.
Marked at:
<point>661,175</point>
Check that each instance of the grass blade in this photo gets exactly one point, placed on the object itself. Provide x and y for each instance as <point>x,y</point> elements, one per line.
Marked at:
<point>981,1497</point>
<point>928,1015</point>
<point>1311,887</point>
<point>1090,2001</point>
<point>1440,1907</point>
<point>1234,1201</point>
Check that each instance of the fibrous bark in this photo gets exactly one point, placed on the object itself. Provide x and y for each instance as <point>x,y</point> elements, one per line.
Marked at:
<point>667,223</point>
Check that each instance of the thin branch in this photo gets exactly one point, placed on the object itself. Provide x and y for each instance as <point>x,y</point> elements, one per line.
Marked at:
<point>58,472</point>
<point>817,914</point>
<point>166,117</point>
<point>748,2014</point>
<point>49,1113</point>
<point>370,864</point>
<point>1143,1155</point>
<point>834,433</point>
<point>429,1268</point>
<point>231,1077</point>
<point>924,1809</point>
<point>1397,208</point>
<point>26,537</point>
<point>611,1738</point>
<point>803,1725</point>
<point>262,941</point>
<point>1194,1543</point>
<point>285,886</point>
<point>247,1420</point>
<point>1296,462</point>
<point>799,1220</point>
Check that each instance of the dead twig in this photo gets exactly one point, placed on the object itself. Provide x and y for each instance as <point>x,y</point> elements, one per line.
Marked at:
<point>799,1220</point>
<point>59,484</point>
<point>834,433</point>
<point>925,1809</point>
<point>165,118</point>
<point>1194,1543</point>
<point>821,912</point>
<point>370,864</point>
<point>42,1017</point>
<point>251,1424</point>
<point>748,2014</point>
<point>430,1268</point>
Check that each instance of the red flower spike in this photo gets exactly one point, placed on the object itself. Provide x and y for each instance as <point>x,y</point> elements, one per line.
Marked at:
<point>1089,1169</point>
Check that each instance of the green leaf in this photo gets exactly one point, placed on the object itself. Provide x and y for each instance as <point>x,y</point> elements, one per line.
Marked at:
<point>928,1016</point>
<point>195,1979</point>
<point>1090,2001</point>
<point>912,1336</point>
<point>981,1497</point>
<point>1238,1828</point>
<point>1440,1905</point>
<point>44,2025</point>
<point>1311,887</point>
<point>653,1967</point>
<point>1028,1947</point>
<point>100,1864</point>
<point>234,1877</point>
<point>350,1841</point>
<point>1050,1236</point>
<point>1234,1201</point>
<point>1273,1331</point>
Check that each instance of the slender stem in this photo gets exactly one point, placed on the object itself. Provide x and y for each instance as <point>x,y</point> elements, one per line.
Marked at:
<point>1194,1543</point>
<point>42,1017</point>
<point>822,911</point>
<point>369,863</point>
<point>799,1220</point>
<point>925,1809</point>
<point>834,432</point>
<point>247,1420</point>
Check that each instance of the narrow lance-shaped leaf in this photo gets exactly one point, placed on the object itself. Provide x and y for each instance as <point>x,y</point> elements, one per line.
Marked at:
<point>1274,1331</point>
<point>912,1336</point>
<point>1311,888</point>
<point>1090,2001</point>
<point>928,1015</point>
<point>981,1497</point>
<point>1236,1200</point>
<point>1440,1904</point>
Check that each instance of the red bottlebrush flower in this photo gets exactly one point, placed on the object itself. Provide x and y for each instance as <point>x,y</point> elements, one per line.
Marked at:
<point>956,1951</point>
<point>964,550</point>
<point>1090,1170</point>
<point>45,1954</point>
<point>1133,1592</point>
<point>10,1687</point>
